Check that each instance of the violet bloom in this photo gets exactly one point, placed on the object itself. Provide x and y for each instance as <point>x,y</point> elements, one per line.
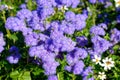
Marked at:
<point>13,59</point>
<point>15,24</point>
<point>2,42</point>
<point>93,1</point>
<point>78,67</point>
<point>52,77</point>
<point>24,14</point>
<point>82,41</point>
<point>100,45</point>
<point>115,36</point>
<point>96,30</point>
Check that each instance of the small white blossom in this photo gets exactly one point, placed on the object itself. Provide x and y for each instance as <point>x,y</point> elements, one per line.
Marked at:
<point>102,75</point>
<point>107,63</point>
<point>117,3</point>
<point>97,59</point>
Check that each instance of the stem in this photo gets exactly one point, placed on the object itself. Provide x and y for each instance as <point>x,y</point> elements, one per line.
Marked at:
<point>4,19</point>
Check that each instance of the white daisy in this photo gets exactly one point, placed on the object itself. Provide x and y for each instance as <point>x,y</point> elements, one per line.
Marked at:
<point>97,59</point>
<point>107,63</point>
<point>117,3</point>
<point>102,75</point>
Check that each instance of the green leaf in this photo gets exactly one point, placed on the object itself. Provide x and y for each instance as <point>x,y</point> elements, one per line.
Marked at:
<point>13,37</point>
<point>26,75</point>
<point>14,74</point>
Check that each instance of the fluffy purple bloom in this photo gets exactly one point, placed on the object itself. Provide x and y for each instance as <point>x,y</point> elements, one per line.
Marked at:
<point>75,55</point>
<point>93,1</point>
<point>24,14</point>
<point>2,42</point>
<point>14,49</point>
<point>50,67</point>
<point>70,16</point>
<point>58,42</point>
<point>103,25</point>
<point>37,51</point>
<point>75,3</point>
<point>80,21</point>
<point>100,45</point>
<point>78,67</point>
<point>3,7</point>
<point>82,41</point>
<point>23,6</point>
<point>14,58</point>
<point>118,18</point>
<point>15,24</point>
<point>67,27</point>
<point>45,11</point>
<point>96,30</point>
<point>115,36</point>
<point>52,77</point>
<point>68,68</point>
<point>87,71</point>
<point>31,39</point>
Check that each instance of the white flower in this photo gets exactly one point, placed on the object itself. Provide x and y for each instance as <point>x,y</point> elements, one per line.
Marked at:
<point>97,59</point>
<point>107,63</point>
<point>102,75</point>
<point>117,3</point>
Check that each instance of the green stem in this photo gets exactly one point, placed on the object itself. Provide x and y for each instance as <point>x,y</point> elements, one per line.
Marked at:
<point>4,19</point>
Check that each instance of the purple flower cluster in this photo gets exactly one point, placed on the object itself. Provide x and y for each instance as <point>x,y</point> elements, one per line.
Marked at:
<point>115,36</point>
<point>74,60</point>
<point>51,38</point>
<point>2,42</point>
<point>15,56</point>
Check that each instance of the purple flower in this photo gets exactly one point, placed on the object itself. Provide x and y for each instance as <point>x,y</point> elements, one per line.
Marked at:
<point>96,30</point>
<point>115,36</point>
<point>23,6</point>
<point>13,58</point>
<point>2,42</point>
<point>31,39</point>
<point>24,14</point>
<point>100,45</point>
<point>52,77</point>
<point>92,1</point>
<point>78,67</point>
<point>50,67</point>
<point>70,16</point>
<point>15,24</point>
<point>87,71</point>
<point>82,41</point>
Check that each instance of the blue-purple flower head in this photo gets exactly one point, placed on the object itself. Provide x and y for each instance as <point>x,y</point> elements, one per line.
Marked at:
<point>100,45</point>
<point>15,56</point>
<point>24,14</point>
<point>96,30</point>
<point>115,36</point>
<point>15,24</point>
<point>2,42</point>
<point>93,1</point>
<point>82,41</point>
<point>52,77</point>
<point>78,67</point>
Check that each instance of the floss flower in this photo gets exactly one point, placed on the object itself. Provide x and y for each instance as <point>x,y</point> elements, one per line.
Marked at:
<point>2,42</point>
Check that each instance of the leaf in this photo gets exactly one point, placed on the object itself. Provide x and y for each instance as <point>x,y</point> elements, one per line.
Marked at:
<point>14,74</point>
<point>13,37</point>
<point>26,75</point>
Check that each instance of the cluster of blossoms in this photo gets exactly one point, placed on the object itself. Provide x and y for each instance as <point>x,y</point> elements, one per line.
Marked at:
<point>2,42</point>
<point>52,40</point>
<point>15,56</point>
